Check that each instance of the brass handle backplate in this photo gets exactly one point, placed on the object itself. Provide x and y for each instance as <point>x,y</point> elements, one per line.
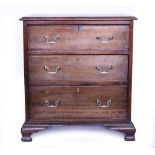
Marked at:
<point>107,69</point>
<point>104,105</point>
<point>53,104</point>
<point>57,68</point>
<point>53,39</point>
<point>105,39</point>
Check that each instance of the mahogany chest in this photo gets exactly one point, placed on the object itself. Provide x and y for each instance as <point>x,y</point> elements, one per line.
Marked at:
<point>78,70</point>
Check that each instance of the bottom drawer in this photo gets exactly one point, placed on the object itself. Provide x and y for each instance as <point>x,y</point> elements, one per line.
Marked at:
<point>58,103</point>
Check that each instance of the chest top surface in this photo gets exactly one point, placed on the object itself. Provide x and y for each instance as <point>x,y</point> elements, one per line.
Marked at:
<point>78,17</point>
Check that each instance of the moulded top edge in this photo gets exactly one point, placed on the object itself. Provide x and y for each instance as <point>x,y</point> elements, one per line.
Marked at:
<point>76,18</point>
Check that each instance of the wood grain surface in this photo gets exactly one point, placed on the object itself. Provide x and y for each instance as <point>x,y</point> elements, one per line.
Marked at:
<point>78,37</point>
<point>77,69</point>
<point>78,102</point>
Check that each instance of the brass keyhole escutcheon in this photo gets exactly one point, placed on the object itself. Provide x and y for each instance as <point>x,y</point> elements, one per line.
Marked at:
<point>77,90</point>
<point>77,63</point>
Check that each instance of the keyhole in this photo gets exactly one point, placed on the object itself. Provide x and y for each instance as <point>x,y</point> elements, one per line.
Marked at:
<point>77,90</point>
<point>78,28</point>
<point>77,64</point>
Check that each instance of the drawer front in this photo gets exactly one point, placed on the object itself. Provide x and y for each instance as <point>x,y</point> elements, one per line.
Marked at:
<point>74,37</point>
<point>52,103</point>
<point>77,69</point>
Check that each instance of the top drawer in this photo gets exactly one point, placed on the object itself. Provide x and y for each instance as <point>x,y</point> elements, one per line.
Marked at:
<point>65,38</point>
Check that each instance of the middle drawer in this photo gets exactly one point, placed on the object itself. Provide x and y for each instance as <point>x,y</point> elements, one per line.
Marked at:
<point>77,69</point>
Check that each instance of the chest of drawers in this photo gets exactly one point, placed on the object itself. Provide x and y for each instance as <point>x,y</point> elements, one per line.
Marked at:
<point>78,70</point>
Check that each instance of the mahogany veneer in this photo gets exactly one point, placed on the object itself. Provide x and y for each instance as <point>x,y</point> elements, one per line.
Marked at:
<point>78,70</point>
